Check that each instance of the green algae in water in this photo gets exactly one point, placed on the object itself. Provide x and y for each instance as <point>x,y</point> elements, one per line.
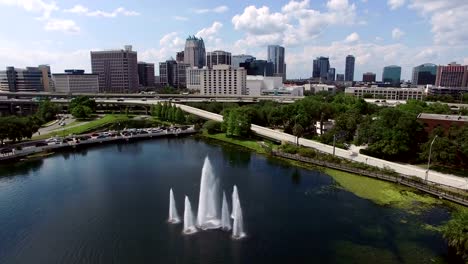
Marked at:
<point>384,193</point>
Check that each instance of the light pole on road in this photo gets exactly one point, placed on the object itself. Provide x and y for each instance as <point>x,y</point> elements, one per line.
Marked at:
<point>429,158</point>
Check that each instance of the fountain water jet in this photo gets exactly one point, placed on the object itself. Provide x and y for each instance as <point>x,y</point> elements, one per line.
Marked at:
<point>173,215</point>
<point>189,225</point>
<point>208,213</point>
<point>238,225</point>
<point>225,216</point>
<point>235,199</point>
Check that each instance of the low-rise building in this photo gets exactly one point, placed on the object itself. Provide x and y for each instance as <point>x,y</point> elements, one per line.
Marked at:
<point>219,80</point>
<point>455,92</point>
<point>257,84</point>
<point>433,121</point>
<point>315,88</point>
<point>293,90</point>
<point>390,93</point>
<point>76,81</point>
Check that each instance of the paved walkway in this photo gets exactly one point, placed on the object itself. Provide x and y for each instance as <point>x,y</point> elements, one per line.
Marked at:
<point>436,177</point>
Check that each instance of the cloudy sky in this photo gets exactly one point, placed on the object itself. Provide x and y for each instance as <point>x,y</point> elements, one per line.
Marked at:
<point>377,32</point>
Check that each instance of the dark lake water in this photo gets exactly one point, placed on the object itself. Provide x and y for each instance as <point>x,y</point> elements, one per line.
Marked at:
<point>109,204</point>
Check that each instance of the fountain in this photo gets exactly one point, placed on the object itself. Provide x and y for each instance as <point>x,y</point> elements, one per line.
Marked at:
<point>189,225</point>
<point>173,215</point>
<point>208,213</point>
<point>238,225</point>
<point>225,216</point>
<point>235,198</point>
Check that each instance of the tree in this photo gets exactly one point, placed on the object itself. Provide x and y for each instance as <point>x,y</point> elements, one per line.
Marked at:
<point>212,127</point>
<point>179,116</point>
<point>47,111</point>
<point>83,107</point>
<point>82,111</point>
<point>455,232</point>
<point>237,122</point>
<point>298,130</point>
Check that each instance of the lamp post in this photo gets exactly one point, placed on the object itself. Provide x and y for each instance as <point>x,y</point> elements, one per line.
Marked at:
<point>429,158</point>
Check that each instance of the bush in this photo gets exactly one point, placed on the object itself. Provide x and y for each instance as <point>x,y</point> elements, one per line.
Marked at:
<point>308,153</point>
<point>212,127</point>
<point>288,148</point>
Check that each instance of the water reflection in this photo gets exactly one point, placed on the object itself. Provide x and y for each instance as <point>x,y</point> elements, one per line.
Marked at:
<point>296,177</point>
<point>235,157</point>
<point>20,168</point>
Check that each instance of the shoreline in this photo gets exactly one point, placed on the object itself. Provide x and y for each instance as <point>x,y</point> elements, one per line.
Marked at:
<point>381,192</point>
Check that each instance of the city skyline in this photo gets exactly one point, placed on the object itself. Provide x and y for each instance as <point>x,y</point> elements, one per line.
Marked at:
<point>62,34</point>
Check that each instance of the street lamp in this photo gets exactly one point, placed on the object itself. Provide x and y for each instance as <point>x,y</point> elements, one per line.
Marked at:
<point>429,158</point>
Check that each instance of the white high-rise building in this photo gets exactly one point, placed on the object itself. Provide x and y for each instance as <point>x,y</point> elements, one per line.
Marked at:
<point>219,80</point>
<point>76,81</point>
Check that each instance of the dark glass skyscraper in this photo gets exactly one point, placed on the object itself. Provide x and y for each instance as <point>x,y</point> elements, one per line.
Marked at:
<point>258,67</point>
<point>424,74</point>
<point>277,57</point>
<point>392,74</point>
<point>321,67</point>
<point>194,53</point>
<point>146,74</point>
<point>218,57</point>
<point>349,70</point>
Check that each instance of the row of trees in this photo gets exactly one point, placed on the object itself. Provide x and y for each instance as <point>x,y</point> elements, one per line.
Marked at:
<point>17,128</point>
<point>389,133</point>
<point>168,112</point>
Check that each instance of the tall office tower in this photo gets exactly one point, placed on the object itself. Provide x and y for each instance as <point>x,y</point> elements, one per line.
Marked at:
<point>331,75</point>
<point>194,53</point>
<point>76,81</point>
<point>321,66</point>
<point>453,75</point>
<point>21,80</point>
<point>219,80</point>
<point>258,67</point>
<point>349,70</point>
<point>238,59</point>
<point>277,56</point>
<point>218,57</point>
<point>340,77</point>
<point>369,77</point>
<point>424,74</point>
<point>180,56</point>
<point>173,74</point>
<point>117,70</point>
<point>47,80</point>
<point>392,74</point>
<point>146,74</point>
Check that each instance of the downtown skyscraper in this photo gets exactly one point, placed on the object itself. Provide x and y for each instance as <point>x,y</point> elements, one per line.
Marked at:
<point>349,69</point>
<point>276,56</point>
<point>117,70</point>
<point>194,53</point>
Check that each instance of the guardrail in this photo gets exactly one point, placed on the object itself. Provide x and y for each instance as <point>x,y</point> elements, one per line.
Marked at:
<point>442,191</point>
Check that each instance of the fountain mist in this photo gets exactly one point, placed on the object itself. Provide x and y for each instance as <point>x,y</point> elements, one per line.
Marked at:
<point>208,213</point>
<point>173,215</point>
<point>238,225</point>
<point>225,216</point>
<point>189,225</point>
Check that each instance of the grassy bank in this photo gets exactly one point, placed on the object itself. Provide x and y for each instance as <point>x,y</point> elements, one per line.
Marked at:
<point>87,127</point>
<point>380,192</point>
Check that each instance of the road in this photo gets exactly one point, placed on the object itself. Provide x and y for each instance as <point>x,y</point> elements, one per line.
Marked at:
<point>436,177</point>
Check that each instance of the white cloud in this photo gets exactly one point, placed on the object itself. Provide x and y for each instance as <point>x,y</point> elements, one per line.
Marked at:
<point>353,37</point>
<point>218,9</point>
<point>447,19</point>
<point>378,39</point>
<point>397,33</point>
<point>296,23</point>
<point>180,18</point>
<point>36,6</point>
<point>210,31</point>
<point>395,4</point>
<point>82,10</point>
<point>62,25</point>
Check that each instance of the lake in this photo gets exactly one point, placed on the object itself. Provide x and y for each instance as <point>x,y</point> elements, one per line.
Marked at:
<point>109,204</point>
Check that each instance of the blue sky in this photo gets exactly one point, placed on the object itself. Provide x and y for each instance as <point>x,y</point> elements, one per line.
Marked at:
<point>377,32</point>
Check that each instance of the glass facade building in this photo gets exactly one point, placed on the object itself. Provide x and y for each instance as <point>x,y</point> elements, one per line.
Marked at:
<point>392,74</point>
<point>424,74</point>
<point>276,55</point>
<point>21,80</point>
<point>349,70</point>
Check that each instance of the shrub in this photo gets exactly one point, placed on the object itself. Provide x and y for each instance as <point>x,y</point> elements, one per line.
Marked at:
<point>212,127</point>
<point>307,152</point>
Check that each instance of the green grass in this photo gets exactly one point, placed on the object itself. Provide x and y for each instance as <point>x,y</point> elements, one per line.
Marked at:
<point>87,127</point>
<point>247,143</point>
